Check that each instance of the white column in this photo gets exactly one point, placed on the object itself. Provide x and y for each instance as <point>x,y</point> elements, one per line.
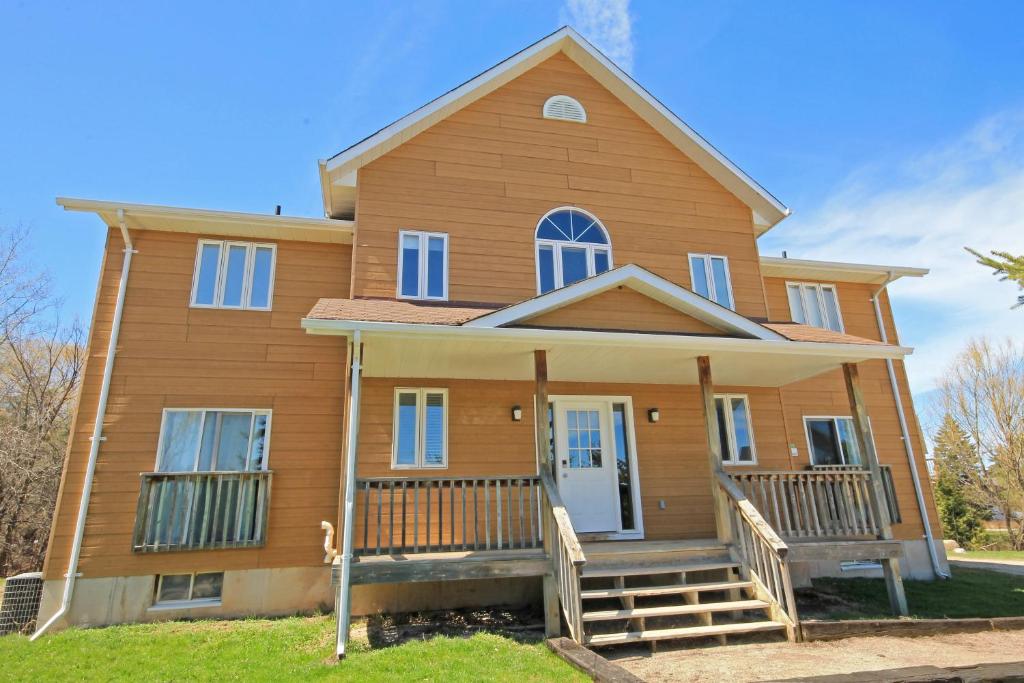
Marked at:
<point>343,598</point>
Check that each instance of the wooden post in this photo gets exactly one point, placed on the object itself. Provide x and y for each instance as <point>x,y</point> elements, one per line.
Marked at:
<point>707,394</point>
<point>890,566</point>
<point>552,614</point>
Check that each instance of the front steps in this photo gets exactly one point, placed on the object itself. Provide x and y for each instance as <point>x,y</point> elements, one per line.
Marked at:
<point>667,590</point>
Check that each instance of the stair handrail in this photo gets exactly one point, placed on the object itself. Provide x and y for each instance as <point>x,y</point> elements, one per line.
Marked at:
<point>762,552</point>
<point>566,554</point>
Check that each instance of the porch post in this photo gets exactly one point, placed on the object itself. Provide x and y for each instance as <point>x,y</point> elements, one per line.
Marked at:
<point>707,394</point>
<point>890,566</point>
<point>343,597</point>
<point>552,614</point>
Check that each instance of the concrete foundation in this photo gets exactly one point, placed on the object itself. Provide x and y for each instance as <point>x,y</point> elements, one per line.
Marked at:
<point>914,564</point>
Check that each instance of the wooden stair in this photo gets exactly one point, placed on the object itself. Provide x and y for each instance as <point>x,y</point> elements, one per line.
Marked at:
<point>651,591</point>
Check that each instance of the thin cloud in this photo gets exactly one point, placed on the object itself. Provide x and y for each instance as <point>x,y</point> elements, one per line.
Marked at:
<point>922,212</point>
<point>605,23</point>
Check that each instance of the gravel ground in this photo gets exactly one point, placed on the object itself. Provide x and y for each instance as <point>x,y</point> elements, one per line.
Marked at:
<point>780,661</point>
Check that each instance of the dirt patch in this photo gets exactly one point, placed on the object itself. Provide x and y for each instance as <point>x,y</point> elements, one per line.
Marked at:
<point>524,625</point>
<point>822,602</point>
<point>781,661</point>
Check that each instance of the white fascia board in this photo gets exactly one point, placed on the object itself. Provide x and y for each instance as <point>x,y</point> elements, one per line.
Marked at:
<point>546,338</point>
<point>777,266</point>
<point>639,279</point>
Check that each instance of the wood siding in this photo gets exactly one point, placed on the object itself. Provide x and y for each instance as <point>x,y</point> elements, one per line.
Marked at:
<point>171,355</point>
<point>622,308</point>
<point>487,174</point>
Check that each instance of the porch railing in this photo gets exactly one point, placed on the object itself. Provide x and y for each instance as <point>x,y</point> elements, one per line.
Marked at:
<point>567,558</point>
<point>403,515</point>
<point>888,486</point>
<point>194,510</point>
<point>762,553</point>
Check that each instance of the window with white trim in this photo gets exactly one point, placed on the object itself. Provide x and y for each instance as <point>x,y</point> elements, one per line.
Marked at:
<point>735,430</point>
<point>815,304</point>
<point>421,429</point>
<point>189,590</point>
<point>709,275</point>
<point>422,265</point>
<point>832,440</point>
<point>201,440</point>
<point>572,245</point>
<point>234,275</point>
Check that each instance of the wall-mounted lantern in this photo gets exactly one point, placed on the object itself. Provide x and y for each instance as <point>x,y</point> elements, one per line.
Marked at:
<point>653,415</point>
<point>517,413</point>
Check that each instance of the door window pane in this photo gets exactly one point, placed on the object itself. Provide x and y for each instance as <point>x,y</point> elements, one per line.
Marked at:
<point>405,446</point>
<point>179,441</point>
<point>723,429</point>
<point>435,267</point>
<point>699,275</point>
<point>410,265</point>
<point>233,441</point>
<point>824,442</point>
<point>741,430</point>
<point>546,265</point>
<point>206,279</point>
<point>574,265</point>
<point>433,430</point>
<point>622,458</point>
<point>263,260</point>
<point>721,280</point>
<point>584,433</point>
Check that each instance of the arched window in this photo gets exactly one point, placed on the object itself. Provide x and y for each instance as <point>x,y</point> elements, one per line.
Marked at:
<point>571,245</point>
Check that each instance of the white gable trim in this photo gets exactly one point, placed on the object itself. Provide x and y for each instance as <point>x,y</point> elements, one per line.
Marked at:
<point>767,208</point>
<point>641,280</point>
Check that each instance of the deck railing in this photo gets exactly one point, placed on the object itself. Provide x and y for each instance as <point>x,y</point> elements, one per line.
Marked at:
<point>762,553</point>
<point>888,486</point>
<point>567,558</point>
<point>193,510</point>
<point>403,515</point>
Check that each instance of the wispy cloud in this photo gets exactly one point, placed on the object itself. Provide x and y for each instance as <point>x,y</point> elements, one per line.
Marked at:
<point>605,23</point>
<point>923,211</point>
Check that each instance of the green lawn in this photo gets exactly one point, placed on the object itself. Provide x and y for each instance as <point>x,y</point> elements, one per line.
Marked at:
<point>970,593</point>
<point>990,555</point>
<point>268,650</point>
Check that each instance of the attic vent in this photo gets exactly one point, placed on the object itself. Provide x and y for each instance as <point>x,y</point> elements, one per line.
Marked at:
<point>564,108</point>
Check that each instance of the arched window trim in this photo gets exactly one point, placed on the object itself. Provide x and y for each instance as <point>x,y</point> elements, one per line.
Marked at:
<point>556,246</point>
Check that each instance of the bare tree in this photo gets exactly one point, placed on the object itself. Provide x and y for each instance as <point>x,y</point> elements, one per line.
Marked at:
<point>983,392</point>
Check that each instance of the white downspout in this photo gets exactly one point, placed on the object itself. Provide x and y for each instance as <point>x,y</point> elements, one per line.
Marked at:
<point>97,434</point>
<point>343,602</point>
<point>907,443</point>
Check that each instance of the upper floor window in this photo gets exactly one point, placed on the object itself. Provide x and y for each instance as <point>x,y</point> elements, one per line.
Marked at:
<point>814,304</point>
<point>571,245</point>
<point>734,429</point>
<point>421,428</point>
<point>200,440</point>
<point>709,275</point>
<point>234,275</point>
<point>422,265</point>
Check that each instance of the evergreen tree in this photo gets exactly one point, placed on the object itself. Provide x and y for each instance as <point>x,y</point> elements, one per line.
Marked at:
<point>1006,266</point>
<point>955,462</point>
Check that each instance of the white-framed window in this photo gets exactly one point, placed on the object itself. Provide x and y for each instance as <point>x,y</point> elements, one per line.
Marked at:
<point>234,275</point>
<point>709,275</point>
<point>422,265</point>
<point>815,304</point>
<point>421,429</point>
<point>571,245</point>
<point>831,440</point>
<point>735,429</point>
<point>175,591</point>
<point>213,440</point>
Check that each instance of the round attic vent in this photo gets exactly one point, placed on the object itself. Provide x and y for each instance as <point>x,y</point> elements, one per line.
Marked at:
<point>564,108</point>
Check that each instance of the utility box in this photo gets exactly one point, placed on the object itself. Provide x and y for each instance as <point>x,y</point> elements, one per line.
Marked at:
<point>19,604</point>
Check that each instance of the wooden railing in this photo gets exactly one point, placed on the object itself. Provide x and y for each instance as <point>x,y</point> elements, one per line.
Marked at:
<point>761,552</point>
<point>888,486</point>
<point>818,503</point>
<point>403,515</point>
<point>194,510</point>
<point>567,558</point>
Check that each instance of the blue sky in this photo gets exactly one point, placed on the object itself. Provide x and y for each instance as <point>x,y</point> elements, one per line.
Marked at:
<point>895,131</point>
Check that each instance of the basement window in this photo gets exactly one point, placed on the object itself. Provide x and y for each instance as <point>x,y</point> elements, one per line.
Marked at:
<point>182,591</point>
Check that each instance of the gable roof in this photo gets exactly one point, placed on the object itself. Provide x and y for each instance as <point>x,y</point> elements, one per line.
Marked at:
<point>340,169</point>
<point>641,280</point>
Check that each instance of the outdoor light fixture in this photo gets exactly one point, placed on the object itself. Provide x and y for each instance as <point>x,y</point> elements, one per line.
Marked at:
<point>517,413</point>
<point>653,415</point>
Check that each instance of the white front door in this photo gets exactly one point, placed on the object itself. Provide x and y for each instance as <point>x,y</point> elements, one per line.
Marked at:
<point>585,462</point>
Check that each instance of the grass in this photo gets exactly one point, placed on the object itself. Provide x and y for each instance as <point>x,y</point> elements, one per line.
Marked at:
<point>268,650</point>
<point>990,555</point>
<point>970,593</point>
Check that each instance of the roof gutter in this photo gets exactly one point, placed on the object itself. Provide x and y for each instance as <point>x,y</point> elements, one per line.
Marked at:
<point>97,434</point>
<point>904,429</point>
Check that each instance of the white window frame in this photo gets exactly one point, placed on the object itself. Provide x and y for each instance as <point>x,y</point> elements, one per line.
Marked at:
<point>822,311</point>
<point>221,281</point>
<point>709,276</point>
<point>421,416</point>
<point>842,451</point>
<point>731,435</point>
<point>190,602</point>
<point>556,248</point>
<point>265,465</point>
<point>421,285</point>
